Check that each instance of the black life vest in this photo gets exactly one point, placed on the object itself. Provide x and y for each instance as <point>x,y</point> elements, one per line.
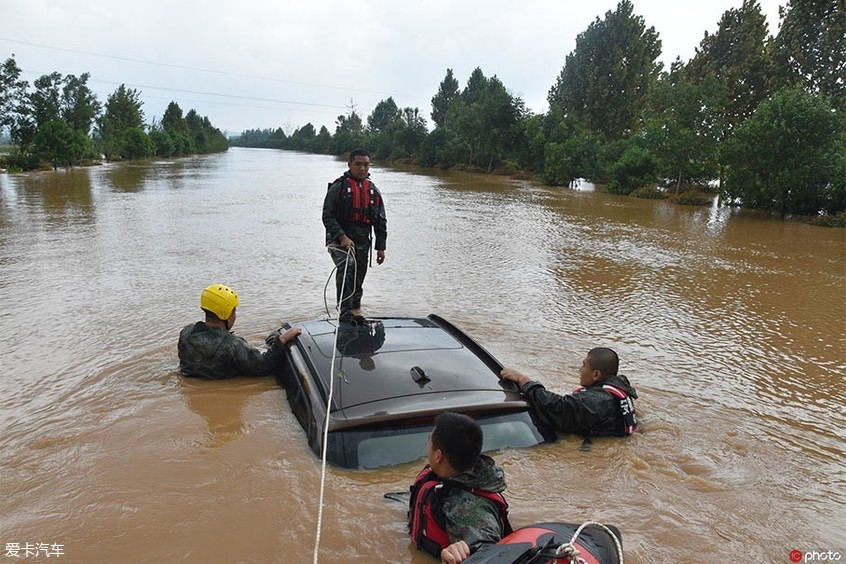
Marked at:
<point>360,199</point>
<point>625,405</point>
<point>425,511</point>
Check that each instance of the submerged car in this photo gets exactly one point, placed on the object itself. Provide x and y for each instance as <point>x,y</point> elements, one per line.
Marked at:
<point>390,377</point>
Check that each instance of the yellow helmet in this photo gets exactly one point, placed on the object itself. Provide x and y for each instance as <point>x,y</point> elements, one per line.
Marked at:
<point>220,300</point>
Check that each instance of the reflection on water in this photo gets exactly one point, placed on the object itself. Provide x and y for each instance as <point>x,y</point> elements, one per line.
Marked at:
<point>127,177</point>
<point>729,324</point>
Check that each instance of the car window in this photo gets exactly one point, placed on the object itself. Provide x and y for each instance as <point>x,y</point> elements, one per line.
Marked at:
<point>373,448</point>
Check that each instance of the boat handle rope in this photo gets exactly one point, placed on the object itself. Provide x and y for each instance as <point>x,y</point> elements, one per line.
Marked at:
<point>569,550</point>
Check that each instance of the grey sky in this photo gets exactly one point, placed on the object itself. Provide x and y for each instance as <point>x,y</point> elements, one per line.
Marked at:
<point>260,64</point>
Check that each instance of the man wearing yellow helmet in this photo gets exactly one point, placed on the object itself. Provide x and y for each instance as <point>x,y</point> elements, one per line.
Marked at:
<point>207,349</point>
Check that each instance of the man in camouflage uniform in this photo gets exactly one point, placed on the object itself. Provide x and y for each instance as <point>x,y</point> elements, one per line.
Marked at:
<point>471,519</point>
<point>602,407</point>
<point>207,349</point>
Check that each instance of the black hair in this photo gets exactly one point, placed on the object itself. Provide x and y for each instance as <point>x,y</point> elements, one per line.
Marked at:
<point>605,360</point>
<point>459,437</point>
<point>358,153</point>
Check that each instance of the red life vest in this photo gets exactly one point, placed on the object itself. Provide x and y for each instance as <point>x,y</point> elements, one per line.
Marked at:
<point>425,512</point>
<point>361,199</point>
<point>626,406</point>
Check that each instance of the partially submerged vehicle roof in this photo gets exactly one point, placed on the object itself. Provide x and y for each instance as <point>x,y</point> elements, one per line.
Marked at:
<point>389,367</point>
<point>390,378</point>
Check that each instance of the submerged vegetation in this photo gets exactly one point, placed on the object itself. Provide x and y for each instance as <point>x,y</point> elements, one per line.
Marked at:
<point>762,115</point>
<point>758,120</point>
<point>58,122</point>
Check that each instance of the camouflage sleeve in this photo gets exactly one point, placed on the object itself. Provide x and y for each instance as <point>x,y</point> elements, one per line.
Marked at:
<point>473,519</point>
<point>249,361</point>
<point>567,413</point>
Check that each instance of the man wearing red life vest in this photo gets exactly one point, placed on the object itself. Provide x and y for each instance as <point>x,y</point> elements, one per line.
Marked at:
<point>353,211</point>
<point>456,503</point>
<point>602,407</point>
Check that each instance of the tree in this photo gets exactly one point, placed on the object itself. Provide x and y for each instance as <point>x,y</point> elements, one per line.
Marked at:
<point>575,158</point>
<point>12,92</point>
<point>810,48</point>
<point>447,92</point>
<point>682,127</point>
<point>385,112</point>
<point>349,131</point>
<point>606,79</point>
<point>736,58</point>
<point>80,106</point>
<point>172,120</point>
<point>59,144</point>
<point>789,156</point>
<point>487,119</point>
<point>475,86</point>
<point>123,113</point>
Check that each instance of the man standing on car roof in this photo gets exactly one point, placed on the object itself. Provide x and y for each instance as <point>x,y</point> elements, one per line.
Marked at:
<point>353,211</point>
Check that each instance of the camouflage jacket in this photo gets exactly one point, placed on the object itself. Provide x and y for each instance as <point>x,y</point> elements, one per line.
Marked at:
<point>214,354</point>
<point>469,517</point>
<point>590,412</point>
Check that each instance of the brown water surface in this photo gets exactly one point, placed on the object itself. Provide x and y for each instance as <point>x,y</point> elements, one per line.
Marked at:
<point>731,325</point>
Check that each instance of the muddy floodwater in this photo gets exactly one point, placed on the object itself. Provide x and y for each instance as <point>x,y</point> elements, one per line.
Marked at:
<point>731,325</point>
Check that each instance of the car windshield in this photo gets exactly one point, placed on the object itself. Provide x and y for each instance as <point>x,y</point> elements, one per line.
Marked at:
<point>384,446</point>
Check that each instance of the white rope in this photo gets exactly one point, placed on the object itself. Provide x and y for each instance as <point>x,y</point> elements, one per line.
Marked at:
<point>350,253</point>
<point>326,418</point>
<point>569,549</point>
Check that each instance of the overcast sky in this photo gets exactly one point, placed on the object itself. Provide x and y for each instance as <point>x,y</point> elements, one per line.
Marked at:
<point>274,63</point>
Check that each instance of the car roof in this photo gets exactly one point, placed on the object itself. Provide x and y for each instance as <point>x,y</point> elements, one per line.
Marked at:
<point>394,367</point>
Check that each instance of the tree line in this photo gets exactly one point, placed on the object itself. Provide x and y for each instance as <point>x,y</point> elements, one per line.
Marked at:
<point>762,115</point>
<point>58,121</point>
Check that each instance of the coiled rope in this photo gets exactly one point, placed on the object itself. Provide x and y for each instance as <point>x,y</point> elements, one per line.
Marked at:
<point>569,550</point>
<point>329,399</point>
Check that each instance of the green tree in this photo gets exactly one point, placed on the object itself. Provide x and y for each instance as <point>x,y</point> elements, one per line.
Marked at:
<point>683,126</point>
<point>136,144</point>
<point>636,167</point>
<point>735,57</point>
<point>59,144</point>
<point>303,137</point>
<point>12,92</point>
<point>385,113</point>
<point>323,142</point>
<point>80,106</point>
<point>606,79</point>
<point>123,113</point>
<point>788,157</point>
<point>45,101</point>
<point>447,92</point>
<point>810,48</point>
<point>172,120</point>
<point>488,121</point>
<point>575,158</point>
<point>349,132</point>
<point>475,86</point>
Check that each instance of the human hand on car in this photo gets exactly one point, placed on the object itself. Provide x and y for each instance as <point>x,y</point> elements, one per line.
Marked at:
<point>514,376</point>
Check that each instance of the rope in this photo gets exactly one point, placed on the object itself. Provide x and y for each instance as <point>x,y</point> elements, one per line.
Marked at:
<point>328,407</point>
<point>570,551</point>
<point>350,253</point>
